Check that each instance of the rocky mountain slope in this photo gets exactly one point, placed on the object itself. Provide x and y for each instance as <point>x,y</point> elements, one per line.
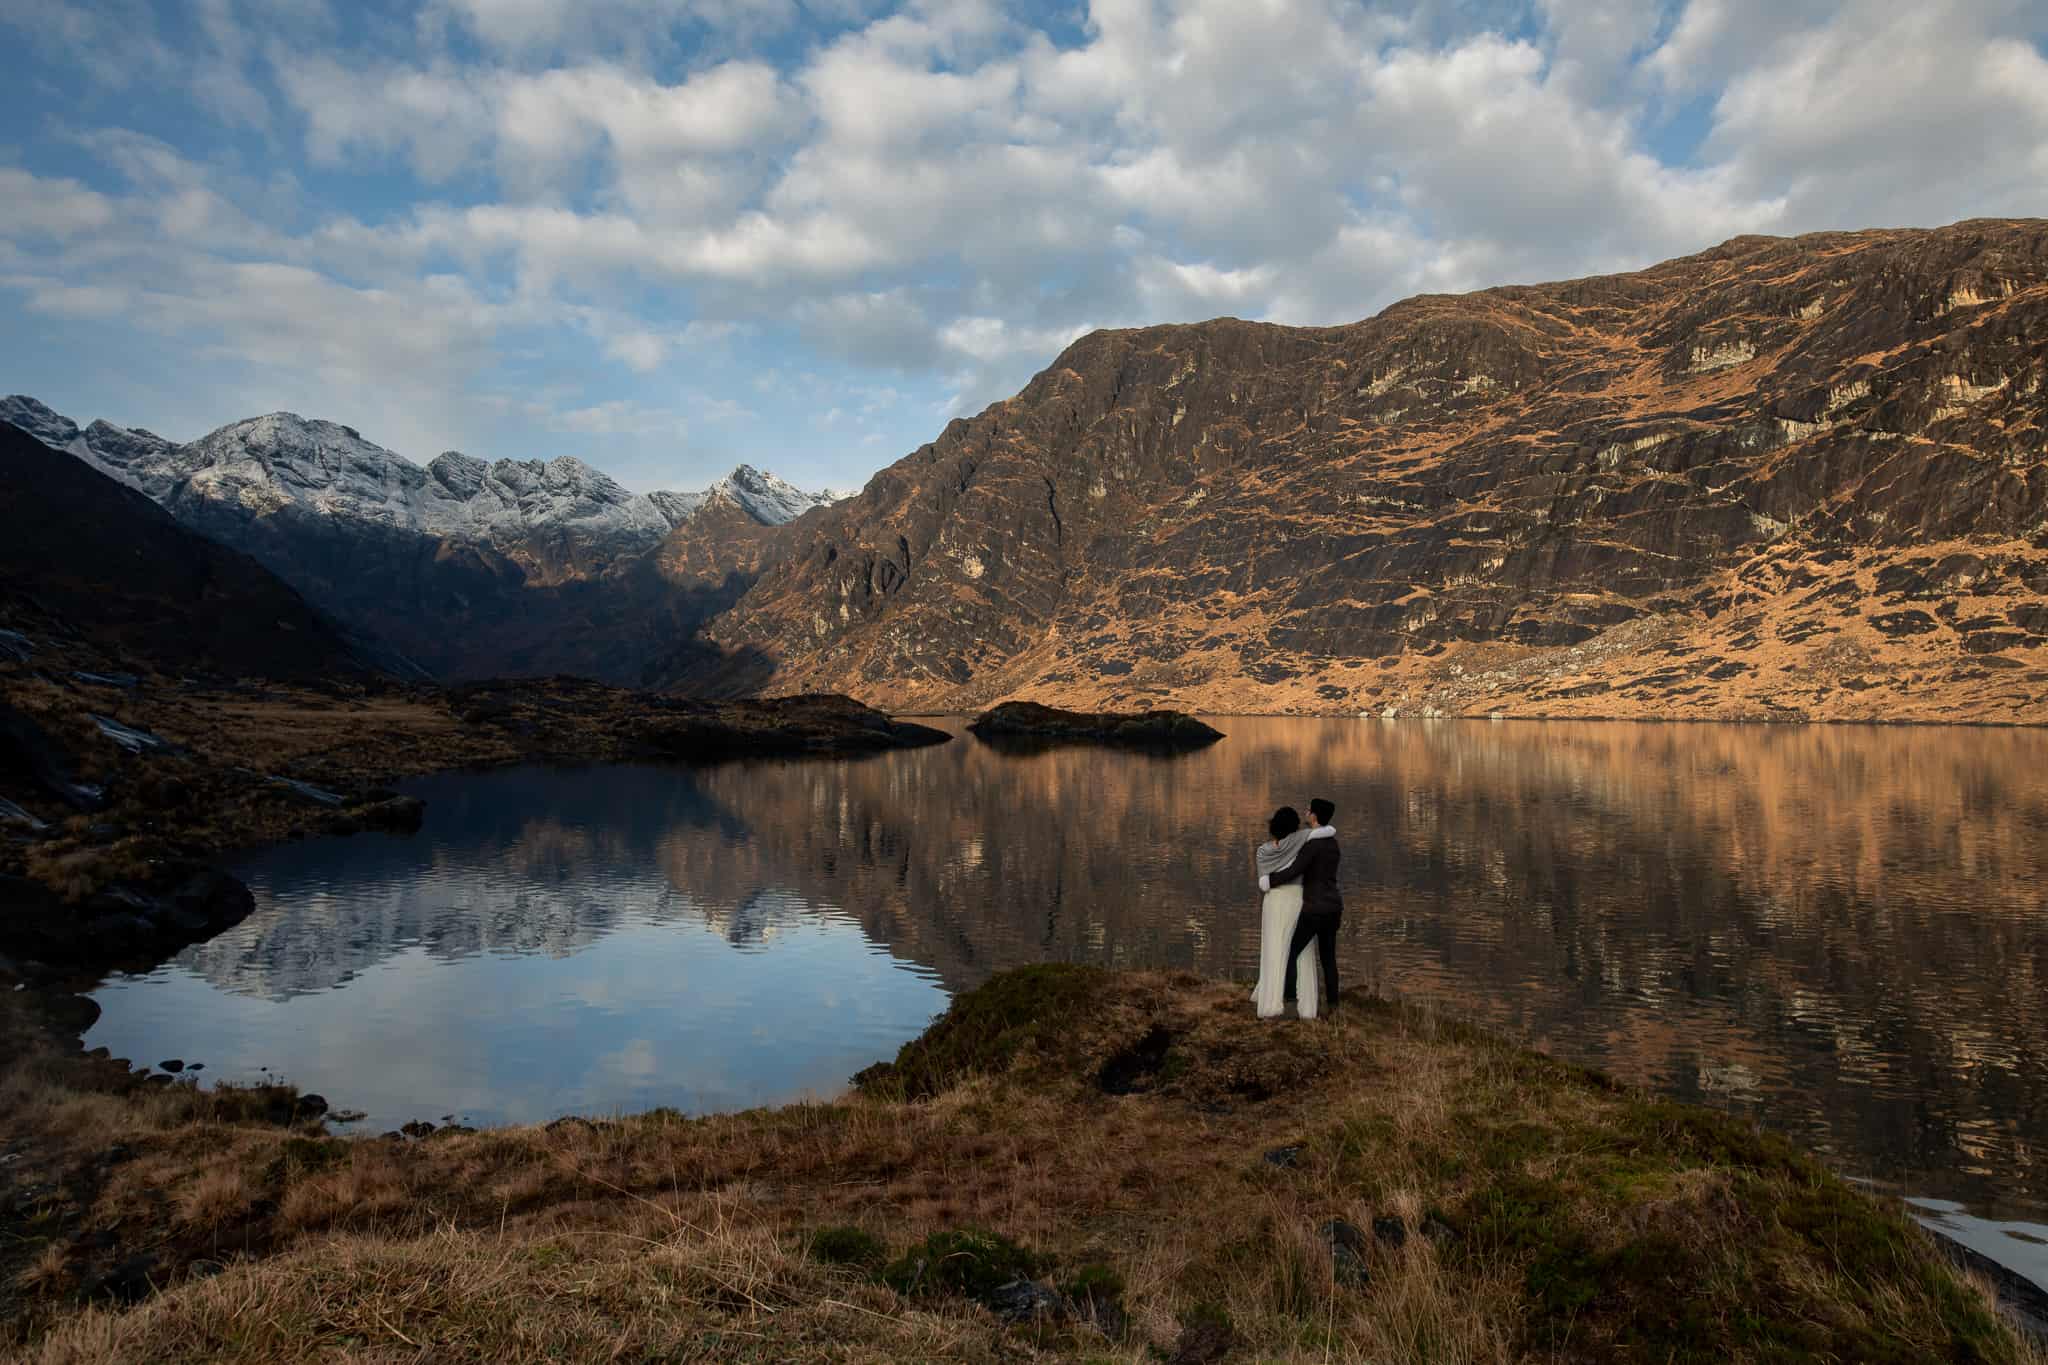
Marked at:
<point>85,558</point>
<point>471,568</point>
<point>1790,478</point>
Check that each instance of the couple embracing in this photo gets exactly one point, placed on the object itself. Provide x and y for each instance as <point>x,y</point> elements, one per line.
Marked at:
<point>1298,924</point>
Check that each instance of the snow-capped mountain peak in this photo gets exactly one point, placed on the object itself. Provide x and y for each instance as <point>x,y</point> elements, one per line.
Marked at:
<point>282,463</point>
<point>123,453</point>
<point>764,497</point>
<point>52,428</point>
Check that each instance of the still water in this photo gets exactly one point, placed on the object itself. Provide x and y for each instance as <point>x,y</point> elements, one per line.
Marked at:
<point>1842,931</point>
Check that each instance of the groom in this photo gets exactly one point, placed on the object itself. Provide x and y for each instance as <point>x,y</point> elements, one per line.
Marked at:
<point>1322,909</point>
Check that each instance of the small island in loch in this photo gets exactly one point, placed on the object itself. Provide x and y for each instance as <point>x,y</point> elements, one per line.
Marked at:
<point>1029,723</point>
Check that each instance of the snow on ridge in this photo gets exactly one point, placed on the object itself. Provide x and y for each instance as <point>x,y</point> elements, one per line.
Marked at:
<point>677,507</point>
<point>118,452</point>
<point>767,499</point>
<point>263,465</point>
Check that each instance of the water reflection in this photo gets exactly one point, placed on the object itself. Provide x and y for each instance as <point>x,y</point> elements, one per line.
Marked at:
<point>1840,930</point>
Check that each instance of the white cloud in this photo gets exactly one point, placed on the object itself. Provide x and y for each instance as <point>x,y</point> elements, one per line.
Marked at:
<point>539,129</point>
<point>869,92</point>
<point>1715,39</point>
<point>1481,145</point>
<point>620,417</point>
<point>529,26</point>
<point>988,340</point>
<point>1894,115</point>
<point>1593,43</point>
<point>639,351</point>
<point>69,301</point>
<point>888,329</point>
<point>32,206</point>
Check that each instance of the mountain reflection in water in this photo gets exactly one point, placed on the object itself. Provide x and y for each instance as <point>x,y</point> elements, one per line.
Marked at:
<point>1840,930</point>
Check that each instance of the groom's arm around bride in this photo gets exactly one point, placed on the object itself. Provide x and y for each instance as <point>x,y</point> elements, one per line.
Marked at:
<point>1322,906</point>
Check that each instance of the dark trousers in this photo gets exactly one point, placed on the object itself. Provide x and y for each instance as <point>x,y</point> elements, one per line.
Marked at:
<point>1323,929</point>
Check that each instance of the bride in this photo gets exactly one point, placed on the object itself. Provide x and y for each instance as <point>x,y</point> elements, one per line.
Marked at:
<point>1276,923</point>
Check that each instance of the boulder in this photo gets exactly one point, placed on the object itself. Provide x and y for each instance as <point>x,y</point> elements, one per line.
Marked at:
<point>30,755</point>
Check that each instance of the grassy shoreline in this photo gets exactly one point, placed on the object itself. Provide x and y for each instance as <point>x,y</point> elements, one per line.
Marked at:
<point>1127,1163</point>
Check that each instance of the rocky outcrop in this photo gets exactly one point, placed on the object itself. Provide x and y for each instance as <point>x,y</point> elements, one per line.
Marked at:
<point>1788,478</point>
<point>1028,723</point>
<point>470,568</point>
<point>134,924</point>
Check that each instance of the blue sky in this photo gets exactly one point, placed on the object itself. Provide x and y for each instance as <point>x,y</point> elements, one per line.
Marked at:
<point>672,235</point>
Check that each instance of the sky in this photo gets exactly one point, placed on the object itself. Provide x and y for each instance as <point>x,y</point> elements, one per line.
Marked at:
<point>670,236</point>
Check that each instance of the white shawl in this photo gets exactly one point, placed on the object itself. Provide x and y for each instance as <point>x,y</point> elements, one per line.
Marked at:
<point>1270,857</point>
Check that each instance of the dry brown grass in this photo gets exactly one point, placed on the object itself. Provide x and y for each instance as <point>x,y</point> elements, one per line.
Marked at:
<point>216,1197</point>
<point>1546,1217</point>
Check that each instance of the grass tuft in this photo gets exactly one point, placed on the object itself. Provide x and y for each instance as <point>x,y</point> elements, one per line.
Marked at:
<point>969,1263</point>
<point>843,1244</point>
<point>984,1031</point>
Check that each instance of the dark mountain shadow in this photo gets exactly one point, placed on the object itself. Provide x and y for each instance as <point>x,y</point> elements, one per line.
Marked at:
<point>84,554</point>
<point>704,668</point>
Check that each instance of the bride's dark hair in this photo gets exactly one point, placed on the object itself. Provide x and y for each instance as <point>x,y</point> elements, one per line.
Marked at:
<point>1285,821</point>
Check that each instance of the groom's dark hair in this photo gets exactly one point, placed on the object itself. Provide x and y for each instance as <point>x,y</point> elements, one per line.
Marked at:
<point>1285,821</point>
<point>1322,810</point>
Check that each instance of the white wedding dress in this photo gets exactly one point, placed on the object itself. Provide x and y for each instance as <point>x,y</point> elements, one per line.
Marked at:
<point>1276,930</point>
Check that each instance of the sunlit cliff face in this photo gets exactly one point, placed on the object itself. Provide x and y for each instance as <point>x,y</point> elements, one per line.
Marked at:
<point>1782,478</point>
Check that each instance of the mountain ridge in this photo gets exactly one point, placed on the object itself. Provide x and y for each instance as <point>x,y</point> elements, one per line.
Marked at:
<point>445,490</point>
<point>474,568</point>
<point>1660,492</point>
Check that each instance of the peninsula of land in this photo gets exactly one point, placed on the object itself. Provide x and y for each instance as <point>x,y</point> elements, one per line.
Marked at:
<point>1069,1164</point>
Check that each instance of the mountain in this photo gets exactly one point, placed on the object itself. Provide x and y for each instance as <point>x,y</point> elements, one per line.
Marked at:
<point>1801,477</point>
<point>761,497</point>
<point>472,568</point>
<point>85,556</point>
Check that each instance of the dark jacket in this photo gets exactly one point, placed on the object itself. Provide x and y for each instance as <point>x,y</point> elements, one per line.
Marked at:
<point>1316,866</point>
